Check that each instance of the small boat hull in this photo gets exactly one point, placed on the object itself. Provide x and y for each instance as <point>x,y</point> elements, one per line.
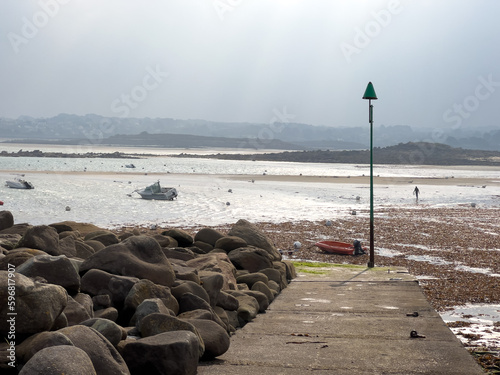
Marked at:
<point>166,196</point>
<point>336,247</point>
<point>156,192</point>
<point>19,184</point>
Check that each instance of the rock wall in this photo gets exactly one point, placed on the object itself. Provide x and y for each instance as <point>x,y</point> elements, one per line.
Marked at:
<point>75,298</point>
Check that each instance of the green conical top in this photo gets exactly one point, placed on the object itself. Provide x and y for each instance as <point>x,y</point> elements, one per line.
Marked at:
<point>370,92</point>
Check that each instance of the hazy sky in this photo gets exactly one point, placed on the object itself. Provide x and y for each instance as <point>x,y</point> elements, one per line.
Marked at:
<point>433,63</point>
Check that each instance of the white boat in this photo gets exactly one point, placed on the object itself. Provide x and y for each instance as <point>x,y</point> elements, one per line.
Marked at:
<point>156,192</point>
<point>19,184</point>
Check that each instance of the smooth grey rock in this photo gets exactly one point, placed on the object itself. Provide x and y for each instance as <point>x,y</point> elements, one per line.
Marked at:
<point>37,305</point>
<point>75,312</point>
<point>183,238</point>
<point>29,347</point>
<point>173,353</point>
<point>137,256</point>
<point>261,287</point>
<point>56,270</point>
<point>229,243</point>
<point>215,338</point>
<point>41,237</point>
<point>208,235</point>
<point>250,258</point>
<point>6,219</point>
<point>98,282</point>
<point>252,278</point>
<point>147,307</point>
<point>145,289</point>
<point>57,360</point>
<point>107,328</point>
<point>254,237</point>
<point>104,356</point>
<point>190,287</point>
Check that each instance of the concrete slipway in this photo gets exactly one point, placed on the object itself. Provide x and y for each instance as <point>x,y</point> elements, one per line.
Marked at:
<point>346,320</point>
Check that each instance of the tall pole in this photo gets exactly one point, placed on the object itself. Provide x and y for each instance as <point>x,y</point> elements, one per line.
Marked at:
<point>371,263</point>
<point>370,95</point>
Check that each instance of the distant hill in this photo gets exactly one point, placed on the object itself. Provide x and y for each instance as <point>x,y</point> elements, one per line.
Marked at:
<point>94,129</point>
<point>195,141</point>
<point>420,153</point>
<point>145,139</point>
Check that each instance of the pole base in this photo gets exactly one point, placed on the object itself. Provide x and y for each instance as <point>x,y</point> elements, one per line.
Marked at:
<point>371,264</point>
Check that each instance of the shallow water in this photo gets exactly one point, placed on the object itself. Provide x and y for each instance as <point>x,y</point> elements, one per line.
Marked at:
<point>208,197</point>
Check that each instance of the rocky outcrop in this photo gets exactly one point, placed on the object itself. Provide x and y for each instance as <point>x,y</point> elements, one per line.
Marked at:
<point>99,302</point>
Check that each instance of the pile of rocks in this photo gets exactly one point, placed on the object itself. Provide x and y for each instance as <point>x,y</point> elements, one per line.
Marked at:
<point>78,299</point>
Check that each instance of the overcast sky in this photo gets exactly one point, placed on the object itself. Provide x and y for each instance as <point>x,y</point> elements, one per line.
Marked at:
<point>433,63</point>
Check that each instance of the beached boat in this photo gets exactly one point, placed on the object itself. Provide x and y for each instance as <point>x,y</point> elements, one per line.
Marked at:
<point>156,192</point>
<point>336,247</point>
<point>19,184</point>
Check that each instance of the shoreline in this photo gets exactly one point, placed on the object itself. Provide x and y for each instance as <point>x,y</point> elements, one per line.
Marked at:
<point>360,180</point>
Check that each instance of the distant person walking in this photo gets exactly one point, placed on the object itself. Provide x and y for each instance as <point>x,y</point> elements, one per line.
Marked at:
<point>416,191</point>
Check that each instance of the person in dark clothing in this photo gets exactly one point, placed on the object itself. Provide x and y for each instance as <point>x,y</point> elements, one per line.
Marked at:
<point>416,191</point>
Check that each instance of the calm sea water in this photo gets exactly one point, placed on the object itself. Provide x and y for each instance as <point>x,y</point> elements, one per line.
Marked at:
<point>103,195</point>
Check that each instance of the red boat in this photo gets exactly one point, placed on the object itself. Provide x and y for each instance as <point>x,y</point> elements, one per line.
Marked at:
<point>336,247</point>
